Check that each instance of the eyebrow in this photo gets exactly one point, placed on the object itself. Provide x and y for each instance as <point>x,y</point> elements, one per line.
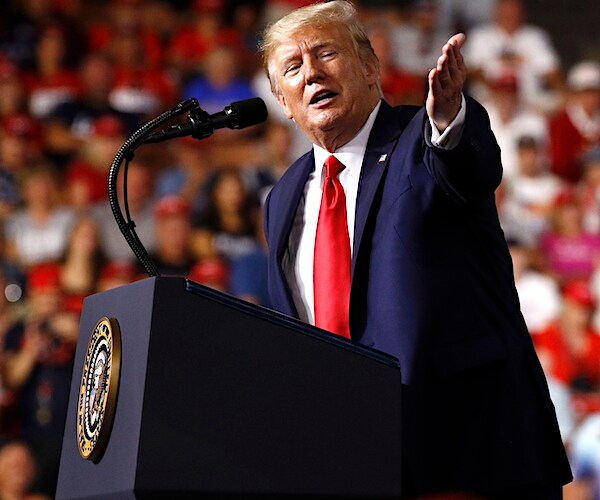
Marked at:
<point>294,52</point>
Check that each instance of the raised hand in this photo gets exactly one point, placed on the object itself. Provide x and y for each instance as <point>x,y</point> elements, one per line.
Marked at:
<point>446,82</point>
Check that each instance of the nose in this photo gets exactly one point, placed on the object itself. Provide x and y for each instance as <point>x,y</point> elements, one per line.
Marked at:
<point>312,70</point>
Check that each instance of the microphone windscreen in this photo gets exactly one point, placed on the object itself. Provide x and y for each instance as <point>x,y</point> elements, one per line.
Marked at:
<point>249,112</point>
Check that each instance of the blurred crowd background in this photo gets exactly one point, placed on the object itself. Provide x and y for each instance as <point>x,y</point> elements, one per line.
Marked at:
<point>78,77</point>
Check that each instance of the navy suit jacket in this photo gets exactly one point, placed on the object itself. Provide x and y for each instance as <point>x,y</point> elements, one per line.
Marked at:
<point>432,284</point>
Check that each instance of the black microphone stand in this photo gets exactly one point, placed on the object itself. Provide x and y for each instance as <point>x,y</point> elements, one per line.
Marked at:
<point>126,152</point>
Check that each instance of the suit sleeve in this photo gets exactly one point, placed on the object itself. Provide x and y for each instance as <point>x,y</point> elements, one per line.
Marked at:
<point>473,168</point>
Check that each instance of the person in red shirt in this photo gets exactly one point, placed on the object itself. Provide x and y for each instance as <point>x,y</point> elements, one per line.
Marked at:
<point>575,130</point>
<point>569,348</point>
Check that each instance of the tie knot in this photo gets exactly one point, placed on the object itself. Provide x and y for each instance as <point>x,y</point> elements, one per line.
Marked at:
<point>333,166</point>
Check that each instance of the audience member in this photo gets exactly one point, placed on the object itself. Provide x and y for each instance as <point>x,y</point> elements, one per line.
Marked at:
<point>52,82</point>
<point>212,272</point>
<point>81,263</point>
<point>568,251</point>
<point>203,32</point>
<point>69,126</point>
<point>529,194</point>
<point>17,471</point>
<point>140,192</point>
<point>575,129</point>
<point>398,86</point>
<point>172,255</point>
<point>589,190</point>
<point>569,348</point>
<point>227,226</point>
<point>539,295</point>
<point>38,232</point>
<point>510,119</point>
<point>86,176</point>
<point>39,355</point>
<point>509,44</point>
<point>13,95</point>
<point>220,84</point>
<point>416,43</point>
<point>585,460</point>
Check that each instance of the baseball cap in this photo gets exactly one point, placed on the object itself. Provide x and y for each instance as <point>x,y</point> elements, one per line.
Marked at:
<point>584,76</point>
<point>579,292</point>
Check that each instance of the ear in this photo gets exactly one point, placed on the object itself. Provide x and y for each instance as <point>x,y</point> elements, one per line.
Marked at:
<point>371,71</point>
<point>282,102</point>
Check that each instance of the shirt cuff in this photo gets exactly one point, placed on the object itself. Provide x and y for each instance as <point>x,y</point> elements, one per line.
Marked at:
<point>450,138</point>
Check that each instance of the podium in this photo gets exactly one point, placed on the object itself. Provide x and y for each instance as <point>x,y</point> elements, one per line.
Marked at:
<point>218,398</point>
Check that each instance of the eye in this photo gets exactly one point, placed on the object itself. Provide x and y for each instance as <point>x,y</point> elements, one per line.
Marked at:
<point>291,68</point>
<point>327,54</point>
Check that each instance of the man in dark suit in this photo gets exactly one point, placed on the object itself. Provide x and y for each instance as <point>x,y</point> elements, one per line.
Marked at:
<point>431,276</point>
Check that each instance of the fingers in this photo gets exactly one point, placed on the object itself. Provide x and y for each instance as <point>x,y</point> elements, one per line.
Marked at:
<point>450,69</point>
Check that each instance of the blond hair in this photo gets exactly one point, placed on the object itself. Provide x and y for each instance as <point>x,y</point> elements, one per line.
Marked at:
<point>339,12</point>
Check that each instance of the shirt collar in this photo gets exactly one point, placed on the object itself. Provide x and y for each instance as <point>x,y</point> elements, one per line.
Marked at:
<point>352,153</point>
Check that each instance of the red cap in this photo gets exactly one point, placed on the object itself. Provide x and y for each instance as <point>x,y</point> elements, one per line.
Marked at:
<point>209,6</point>
<point>210,270</point>
<point>20,125</point>
<point>44,277</point>
<point>172,205</point>
<point>565,197</point>
<point>118,271</point>
<point>580,292</point>
<point>108,126</point>
<point>505,81</point>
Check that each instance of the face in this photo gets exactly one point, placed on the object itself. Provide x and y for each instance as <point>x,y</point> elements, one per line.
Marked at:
<point>323,84</point>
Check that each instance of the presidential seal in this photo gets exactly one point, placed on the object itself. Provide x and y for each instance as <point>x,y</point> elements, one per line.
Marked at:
<point>98,389</point>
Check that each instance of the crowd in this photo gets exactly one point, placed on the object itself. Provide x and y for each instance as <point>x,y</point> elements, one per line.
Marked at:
<point>77,78</point>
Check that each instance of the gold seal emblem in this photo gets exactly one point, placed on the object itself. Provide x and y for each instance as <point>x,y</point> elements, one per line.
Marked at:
<point>98,389</point>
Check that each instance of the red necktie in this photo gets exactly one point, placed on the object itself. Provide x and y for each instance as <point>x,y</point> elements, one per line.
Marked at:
<point>332,265</point>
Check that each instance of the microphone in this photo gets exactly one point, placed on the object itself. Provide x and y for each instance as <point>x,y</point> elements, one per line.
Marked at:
<point>200,124</point>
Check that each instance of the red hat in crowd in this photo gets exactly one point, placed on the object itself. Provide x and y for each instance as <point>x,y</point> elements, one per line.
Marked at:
<point>20,125</point>
<point>109,126</point>
<point>172,205</point>
<point>579,292</point>
<point>209,6</point>
<point>566,196</point>
<point>210,270</point>
<point>43,278</point>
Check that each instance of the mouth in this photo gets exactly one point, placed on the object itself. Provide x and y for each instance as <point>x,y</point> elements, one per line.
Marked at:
<point>322,97</point>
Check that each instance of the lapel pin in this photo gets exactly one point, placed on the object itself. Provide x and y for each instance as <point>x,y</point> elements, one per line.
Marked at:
<point>382,158</point>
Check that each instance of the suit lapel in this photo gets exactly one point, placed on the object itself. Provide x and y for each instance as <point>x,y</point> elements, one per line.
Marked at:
<point>382,141</point>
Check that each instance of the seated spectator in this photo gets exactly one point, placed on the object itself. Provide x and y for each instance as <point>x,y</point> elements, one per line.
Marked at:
<point>39,354</point>
<point>227,226</point>
<point>569,348</point>
<point>539,294</point>
<point>509,44</point>
<point>17,470</point>
<point>529,194</point>
<point>172,254</point>
<point>38,232</point>
<point>568,251</point>
<point>575,130</point>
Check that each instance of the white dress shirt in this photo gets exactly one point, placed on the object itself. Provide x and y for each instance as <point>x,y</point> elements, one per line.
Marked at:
<point>298,260</point>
